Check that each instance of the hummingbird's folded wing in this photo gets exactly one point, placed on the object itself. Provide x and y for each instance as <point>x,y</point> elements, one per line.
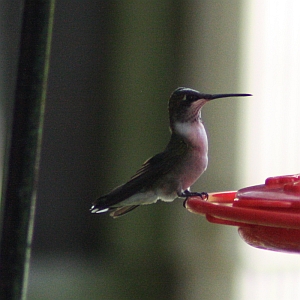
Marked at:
<point>147,175</point>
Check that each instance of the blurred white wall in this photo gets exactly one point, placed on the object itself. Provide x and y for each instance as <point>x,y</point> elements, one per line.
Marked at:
<point>269,140</point>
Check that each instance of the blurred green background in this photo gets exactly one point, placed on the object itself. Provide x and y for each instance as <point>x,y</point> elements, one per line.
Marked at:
<point>113,66</point>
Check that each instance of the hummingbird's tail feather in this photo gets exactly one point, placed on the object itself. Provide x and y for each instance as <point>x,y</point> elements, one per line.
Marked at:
<point>100,206</point>
<point>95,210</point>
<point>120,211</point>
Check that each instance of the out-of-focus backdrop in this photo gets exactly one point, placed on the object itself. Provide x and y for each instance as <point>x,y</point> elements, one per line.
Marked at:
<point>113,66</point>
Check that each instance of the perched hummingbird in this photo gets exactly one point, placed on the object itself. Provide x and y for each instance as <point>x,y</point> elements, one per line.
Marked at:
<point>169,174</point>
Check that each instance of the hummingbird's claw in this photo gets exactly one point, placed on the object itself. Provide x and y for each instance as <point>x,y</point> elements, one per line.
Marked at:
<point>184,202</point>
<point>205,196</point>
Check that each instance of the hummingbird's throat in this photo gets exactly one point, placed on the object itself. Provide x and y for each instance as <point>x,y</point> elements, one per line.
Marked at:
<point>194,112</point>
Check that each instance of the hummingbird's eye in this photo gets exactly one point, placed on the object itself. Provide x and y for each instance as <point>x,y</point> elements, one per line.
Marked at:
<point>189,98</point>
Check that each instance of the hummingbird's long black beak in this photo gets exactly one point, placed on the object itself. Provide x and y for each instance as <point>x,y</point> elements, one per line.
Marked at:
<point>217,96</point>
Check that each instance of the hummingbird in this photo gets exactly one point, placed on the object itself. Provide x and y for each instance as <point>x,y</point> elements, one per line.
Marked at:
<point>169,174</point>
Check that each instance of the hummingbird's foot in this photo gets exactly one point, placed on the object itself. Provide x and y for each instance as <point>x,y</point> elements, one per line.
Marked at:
<point>187,194</point>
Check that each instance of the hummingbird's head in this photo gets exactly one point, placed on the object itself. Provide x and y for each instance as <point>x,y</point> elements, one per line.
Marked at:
<point>185,104</point>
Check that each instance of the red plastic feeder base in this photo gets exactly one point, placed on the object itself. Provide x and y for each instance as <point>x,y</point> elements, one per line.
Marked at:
<point>267,215</point>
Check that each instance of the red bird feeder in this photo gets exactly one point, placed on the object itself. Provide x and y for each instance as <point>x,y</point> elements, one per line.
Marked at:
<point>267,215</point>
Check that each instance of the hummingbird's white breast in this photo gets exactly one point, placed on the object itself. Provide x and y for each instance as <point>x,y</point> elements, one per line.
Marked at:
<point>196,160</point>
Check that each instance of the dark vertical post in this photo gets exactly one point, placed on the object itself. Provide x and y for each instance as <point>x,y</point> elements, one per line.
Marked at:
<point>19,191</point>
